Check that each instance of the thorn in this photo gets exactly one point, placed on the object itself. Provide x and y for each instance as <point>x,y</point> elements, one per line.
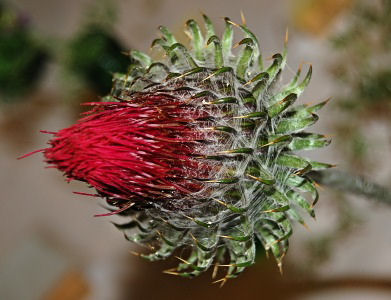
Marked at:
<point>159,233</point>
<point>219,201</point>
<point>280,268</point>
<point>279,263</point>
<point>286,36</point>
<point>190,218</point>
<point>243,18</point>
<point>222,280</point>
<point>325,102</point>
<point>212,181</point>
<point>268,144</point>
<point>188,34</point>
<point>116,211</point>
<point>208,77</point>
<point>248,82</point>
<point>151,247</point>
<point>127,53</point>
<point>233,23</point>
<point>300,67</point>
<point>229,265</point>
<point>270,210</point>
<point>306,226</point>
<point>269,58</point>
<point>226,237</point>
<point>171,272</point>
<point>236,45</point>
<point>318,185</point>
<point>215,270</point>
<point>183,260</point>
<point>135,253</point>
<point>267,253</point>
<point>193,237</point>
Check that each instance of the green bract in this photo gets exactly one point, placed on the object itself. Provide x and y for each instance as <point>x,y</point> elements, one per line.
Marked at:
<point>264,187</point>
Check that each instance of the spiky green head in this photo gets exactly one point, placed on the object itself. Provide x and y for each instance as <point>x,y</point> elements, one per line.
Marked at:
<point>258,188</point>
<point>197,151</point>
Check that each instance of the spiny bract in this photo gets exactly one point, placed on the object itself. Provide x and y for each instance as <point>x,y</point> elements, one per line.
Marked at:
<point>198,150</point>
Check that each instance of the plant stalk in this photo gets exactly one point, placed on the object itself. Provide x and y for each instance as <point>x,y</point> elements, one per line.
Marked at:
<point>354,184</point>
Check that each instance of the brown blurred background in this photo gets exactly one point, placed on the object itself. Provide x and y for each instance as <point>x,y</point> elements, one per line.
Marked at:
<point>52,248</point>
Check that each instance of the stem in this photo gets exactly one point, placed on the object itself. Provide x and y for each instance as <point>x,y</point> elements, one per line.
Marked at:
<point>346,182</point>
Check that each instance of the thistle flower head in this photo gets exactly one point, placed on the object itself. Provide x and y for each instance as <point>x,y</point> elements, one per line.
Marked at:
<point>196,150</point>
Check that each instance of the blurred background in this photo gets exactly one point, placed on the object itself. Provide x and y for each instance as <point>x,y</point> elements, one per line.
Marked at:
<point>56,54</point>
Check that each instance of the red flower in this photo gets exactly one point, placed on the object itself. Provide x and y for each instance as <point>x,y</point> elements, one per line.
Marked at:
<point>142,150</point>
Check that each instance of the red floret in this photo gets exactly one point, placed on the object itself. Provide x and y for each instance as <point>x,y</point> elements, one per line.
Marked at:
<point>142,150</point>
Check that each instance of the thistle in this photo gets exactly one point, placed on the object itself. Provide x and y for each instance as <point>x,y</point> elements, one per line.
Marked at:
<point>197,150</point>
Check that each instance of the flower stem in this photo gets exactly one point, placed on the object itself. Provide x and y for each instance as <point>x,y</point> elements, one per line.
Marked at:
<point>346,182</point>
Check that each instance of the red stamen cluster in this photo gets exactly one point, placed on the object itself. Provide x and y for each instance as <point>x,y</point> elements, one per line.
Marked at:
<point>139,150</point>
